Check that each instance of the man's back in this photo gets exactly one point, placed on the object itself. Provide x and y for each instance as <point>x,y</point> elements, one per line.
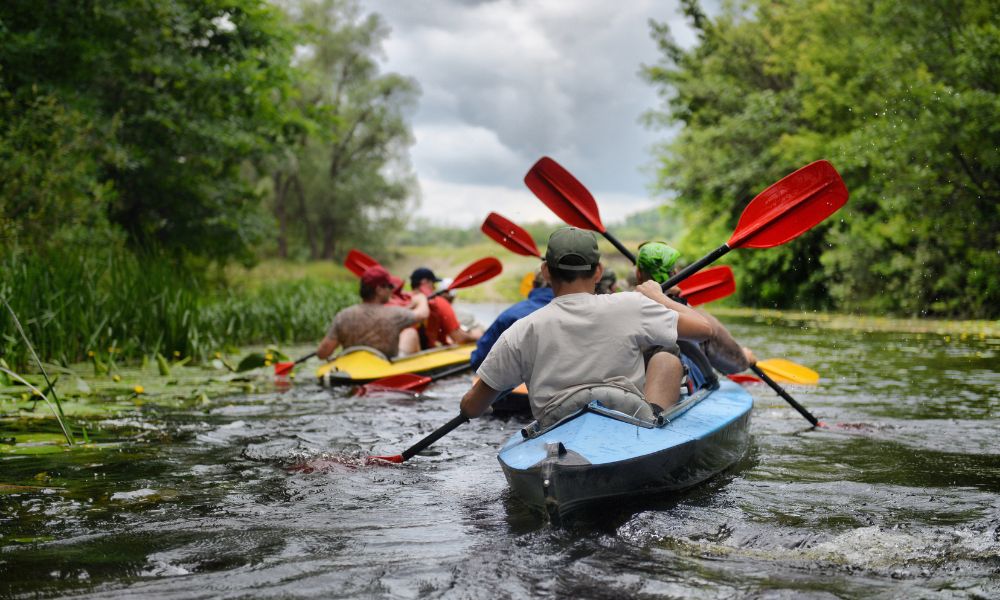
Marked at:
<point>375,325</point>
<point>579,339</point>
<point>537,298</point>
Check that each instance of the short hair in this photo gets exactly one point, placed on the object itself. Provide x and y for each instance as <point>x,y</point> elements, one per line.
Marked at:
<point>367,292</point>
<point>568,276</point>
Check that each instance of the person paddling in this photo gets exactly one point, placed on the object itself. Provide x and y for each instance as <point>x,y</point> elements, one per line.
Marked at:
<point>582,346</point>
<point>442,326</point>
<point>656,261</point>
<point>539,296</point>
<point>373,322</point>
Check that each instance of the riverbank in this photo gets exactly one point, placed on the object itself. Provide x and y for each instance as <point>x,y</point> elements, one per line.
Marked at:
<point>954,328</point>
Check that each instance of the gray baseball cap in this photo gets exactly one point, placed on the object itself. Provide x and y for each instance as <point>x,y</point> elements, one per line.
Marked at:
<point>572,249</point>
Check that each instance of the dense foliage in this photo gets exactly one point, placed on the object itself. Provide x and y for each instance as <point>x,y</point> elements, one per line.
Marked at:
<point>150,108</point>
<point>346,183</point>
<point>902,97</point>
<point>70,306</point>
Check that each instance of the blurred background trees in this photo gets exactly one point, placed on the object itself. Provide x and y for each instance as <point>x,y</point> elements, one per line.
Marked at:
<point>901,97</point>
<point>152,125</point>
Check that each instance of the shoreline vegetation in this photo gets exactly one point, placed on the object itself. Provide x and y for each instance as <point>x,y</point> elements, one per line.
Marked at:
<point>110,355</point>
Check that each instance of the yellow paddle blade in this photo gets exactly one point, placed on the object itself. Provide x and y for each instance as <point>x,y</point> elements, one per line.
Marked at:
<point>526,282</point>
<point>786,371</point>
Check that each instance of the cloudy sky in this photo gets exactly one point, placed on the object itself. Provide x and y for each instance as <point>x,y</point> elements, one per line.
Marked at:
<point>505,82</point>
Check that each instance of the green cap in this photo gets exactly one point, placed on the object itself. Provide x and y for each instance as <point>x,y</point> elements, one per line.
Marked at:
<point>572,249</point>
<point>657,259</point>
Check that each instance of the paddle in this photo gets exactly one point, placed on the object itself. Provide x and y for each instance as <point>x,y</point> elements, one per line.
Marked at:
<point>409,382</point>
<point>510,235</point>
<point>437,434</point>
<point>482,270</point>
<point>708,286</point>
<point>569,199</point>
<point>358,262</point>
<point>283,368</point>
<point>784,370</point>
<point>781,213</point>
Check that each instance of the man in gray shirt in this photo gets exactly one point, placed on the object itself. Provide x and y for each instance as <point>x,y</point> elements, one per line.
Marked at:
<point>581,345</point>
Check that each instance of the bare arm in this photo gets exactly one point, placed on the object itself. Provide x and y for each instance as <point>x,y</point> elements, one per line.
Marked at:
<point>419,306</point>
<point>479,397</point>
<point>690,325</point>
<point>723,351</point>
<point>461,336</point>
<point>327,346</point>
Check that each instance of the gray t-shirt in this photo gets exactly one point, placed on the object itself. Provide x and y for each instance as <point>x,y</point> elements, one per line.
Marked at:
<point>578,340</point>
<point>369,324</point>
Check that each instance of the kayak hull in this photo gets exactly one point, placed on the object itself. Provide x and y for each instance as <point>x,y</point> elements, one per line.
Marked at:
<point>361,364</point>
<point>593,457</point>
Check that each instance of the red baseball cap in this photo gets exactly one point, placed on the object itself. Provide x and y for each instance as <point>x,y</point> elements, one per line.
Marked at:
<point>397,283</point>
<point>374,277</point>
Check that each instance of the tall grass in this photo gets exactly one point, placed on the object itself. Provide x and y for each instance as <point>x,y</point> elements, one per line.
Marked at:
<point>71,305</point>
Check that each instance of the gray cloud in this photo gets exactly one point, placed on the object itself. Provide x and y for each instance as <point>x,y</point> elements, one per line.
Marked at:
<point>507,81</point>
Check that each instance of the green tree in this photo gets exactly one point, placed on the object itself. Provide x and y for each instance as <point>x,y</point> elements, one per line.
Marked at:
<point>156,105</point>
<point>348,179</point>
<point>901,97</point>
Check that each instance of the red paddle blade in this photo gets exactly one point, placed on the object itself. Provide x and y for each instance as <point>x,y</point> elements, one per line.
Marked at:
<point>358,262</point>
<point>283,368</point>
<point>482,270</point>
<point>790,207</point>
<point>708,285</point>
<point>404,382</point>
<point>510,235</point>
<point>564,195</point>
<point>744,379</point>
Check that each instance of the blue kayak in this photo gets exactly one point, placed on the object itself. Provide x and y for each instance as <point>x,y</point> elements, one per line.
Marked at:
<point>598,453</point>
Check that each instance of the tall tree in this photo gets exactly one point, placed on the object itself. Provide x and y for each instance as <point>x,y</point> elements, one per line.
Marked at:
<point>349,179</point>
<point>164,100</point>
<point>901,97</point>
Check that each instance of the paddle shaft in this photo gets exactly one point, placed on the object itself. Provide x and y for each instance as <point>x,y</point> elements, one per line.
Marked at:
<point>621,248</point>
<point>304,358</point>
<point>696,266</point>
<point>781,392</point>
<point>438,433</point>
<point>452,371</point>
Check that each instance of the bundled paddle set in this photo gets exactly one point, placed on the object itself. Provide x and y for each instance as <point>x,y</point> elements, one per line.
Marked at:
<point>600,453</point>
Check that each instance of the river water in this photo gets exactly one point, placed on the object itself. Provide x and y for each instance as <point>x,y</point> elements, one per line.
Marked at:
<point>899,498</point>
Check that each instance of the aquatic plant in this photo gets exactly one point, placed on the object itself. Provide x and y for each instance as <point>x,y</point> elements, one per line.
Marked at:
<point>77,307</point>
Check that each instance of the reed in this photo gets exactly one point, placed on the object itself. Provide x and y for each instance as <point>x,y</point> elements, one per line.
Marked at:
<point>131,306</point>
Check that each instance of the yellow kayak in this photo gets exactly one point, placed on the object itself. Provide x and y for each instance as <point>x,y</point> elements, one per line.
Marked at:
<point>361,364</point>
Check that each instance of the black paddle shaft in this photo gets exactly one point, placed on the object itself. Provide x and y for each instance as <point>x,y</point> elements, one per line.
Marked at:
<point>438,433</point>
<point>696,266</point>
<point>452,371</point>
<point>781,392</point>
<point>621,248</point>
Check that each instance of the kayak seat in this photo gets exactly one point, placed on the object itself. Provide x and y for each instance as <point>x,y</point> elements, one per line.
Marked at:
<point>686,402</point>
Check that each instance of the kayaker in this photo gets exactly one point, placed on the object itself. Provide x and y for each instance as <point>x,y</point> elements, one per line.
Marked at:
<point>608,283</point>
<point>657,261</point>
<point>374,322</point>
<point>540,295</point>
<point>582,346</point>
<point>442,326</point>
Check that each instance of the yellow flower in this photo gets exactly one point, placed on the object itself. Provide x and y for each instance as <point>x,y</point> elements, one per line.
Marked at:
<point>116,378</point>
<point>218,355</point>
<point>90,353</point>
<point>139,390</point>
<point>177,353</point>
